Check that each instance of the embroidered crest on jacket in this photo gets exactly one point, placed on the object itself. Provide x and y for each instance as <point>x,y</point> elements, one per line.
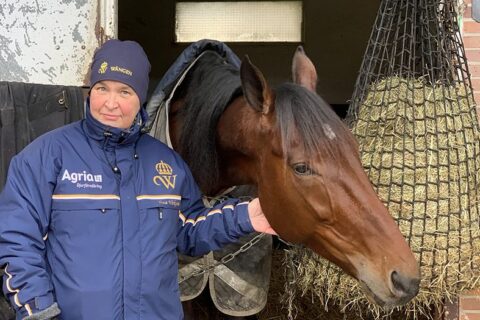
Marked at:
<point>165,175</point>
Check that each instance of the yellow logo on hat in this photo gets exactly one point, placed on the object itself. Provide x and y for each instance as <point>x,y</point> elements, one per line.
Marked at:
<point>103,67</point>
<point>121,70</point>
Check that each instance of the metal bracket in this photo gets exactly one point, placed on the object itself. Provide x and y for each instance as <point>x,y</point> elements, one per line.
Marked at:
<point>476,10</point>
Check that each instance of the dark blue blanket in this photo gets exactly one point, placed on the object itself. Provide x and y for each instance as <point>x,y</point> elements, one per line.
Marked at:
<point>184,60</point>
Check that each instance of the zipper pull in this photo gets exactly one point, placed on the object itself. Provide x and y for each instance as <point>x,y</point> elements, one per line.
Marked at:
<point>160,214</point>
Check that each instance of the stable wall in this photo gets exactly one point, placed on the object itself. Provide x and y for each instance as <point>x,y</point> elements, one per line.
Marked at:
<point>335,37</point>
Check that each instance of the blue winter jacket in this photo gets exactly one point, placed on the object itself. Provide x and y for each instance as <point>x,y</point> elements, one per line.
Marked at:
<point>92,217</point>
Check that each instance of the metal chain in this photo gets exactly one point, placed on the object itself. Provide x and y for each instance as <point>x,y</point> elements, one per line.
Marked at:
<point>225,259</point>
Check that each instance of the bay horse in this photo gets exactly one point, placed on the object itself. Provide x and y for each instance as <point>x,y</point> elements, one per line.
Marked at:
<point>233,128</point>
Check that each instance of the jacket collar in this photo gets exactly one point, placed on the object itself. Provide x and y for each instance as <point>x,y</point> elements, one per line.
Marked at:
<point>100,132</point>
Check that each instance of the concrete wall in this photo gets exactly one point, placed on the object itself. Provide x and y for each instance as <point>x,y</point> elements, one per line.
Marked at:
<point>48,43</point>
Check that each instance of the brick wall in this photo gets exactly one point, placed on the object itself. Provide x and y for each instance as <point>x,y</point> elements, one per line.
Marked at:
<point>469,305</point>
<point>471,41</point>
<point>469,302</point>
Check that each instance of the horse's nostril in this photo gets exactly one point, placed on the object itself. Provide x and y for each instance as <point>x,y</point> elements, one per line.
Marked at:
<point>405,286</point>
<point>397,282</point>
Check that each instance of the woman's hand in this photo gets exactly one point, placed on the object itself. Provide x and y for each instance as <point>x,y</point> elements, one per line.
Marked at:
<point>258,219</point>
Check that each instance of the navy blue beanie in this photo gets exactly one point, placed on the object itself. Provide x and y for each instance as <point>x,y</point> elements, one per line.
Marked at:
<point>123,61</point>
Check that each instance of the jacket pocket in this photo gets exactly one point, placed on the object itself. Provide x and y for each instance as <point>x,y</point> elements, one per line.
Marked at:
<point>84,250</point>
<point>86,220</point>
<point>158,223</point>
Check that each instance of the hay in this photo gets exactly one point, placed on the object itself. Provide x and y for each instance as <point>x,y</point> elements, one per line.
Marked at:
<point>420,147</point>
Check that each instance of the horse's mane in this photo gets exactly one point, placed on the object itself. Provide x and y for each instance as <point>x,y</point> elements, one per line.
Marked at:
<point>208,88</point>
<point>302,114</point>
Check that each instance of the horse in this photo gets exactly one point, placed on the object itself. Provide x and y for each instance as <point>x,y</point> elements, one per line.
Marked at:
<point>233,128</point>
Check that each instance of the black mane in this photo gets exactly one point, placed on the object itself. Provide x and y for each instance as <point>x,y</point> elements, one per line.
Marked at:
<point>208,88</point>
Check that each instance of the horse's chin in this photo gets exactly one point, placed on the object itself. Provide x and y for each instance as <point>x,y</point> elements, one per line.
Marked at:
<point>372,297</point>
<point>381,302</point>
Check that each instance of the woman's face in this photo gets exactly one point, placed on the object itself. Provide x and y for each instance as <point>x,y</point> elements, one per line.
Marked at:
<point>114,103</point>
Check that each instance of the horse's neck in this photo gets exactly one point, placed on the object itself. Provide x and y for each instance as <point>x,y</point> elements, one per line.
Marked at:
<point>237,136</point>
<point>235,140</point>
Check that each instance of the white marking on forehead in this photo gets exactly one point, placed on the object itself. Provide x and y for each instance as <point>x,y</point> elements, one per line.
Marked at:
<point>329,132</point>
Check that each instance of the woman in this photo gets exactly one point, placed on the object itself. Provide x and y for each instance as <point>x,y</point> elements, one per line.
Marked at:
<point>93,213</point>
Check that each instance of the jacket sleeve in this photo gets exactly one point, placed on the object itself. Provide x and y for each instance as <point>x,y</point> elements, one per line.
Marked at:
<point>25,205</point>
<point>206,229</point>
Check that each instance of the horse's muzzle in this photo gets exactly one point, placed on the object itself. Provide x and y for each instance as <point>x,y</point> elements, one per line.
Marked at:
<point>404,288</point>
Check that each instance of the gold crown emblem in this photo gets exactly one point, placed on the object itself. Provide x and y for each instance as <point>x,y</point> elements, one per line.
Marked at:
<point>103,67</point>
<point>163,168</point>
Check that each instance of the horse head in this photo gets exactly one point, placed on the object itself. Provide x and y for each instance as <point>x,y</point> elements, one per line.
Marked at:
<point>313,188</point>
<point>304,161</point>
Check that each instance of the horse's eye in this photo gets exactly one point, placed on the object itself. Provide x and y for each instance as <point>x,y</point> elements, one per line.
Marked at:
<point>302,169</point>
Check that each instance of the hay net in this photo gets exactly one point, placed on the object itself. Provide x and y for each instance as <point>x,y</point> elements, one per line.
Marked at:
<point>415,120</point>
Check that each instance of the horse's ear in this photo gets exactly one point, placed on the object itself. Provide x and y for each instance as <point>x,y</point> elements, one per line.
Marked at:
<point>303,70</point>
<point>255,88</point>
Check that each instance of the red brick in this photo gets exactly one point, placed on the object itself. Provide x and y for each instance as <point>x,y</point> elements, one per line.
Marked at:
<point>476,97</point>
<point>471,26</point>
<point>470,316</point>
<point>468,12</point>
<point>473,55</point>
<point>474,69</point>
<point>474,73</point>
<point>476,84</point>
<point>471,41</point>
<point>470,303</point>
